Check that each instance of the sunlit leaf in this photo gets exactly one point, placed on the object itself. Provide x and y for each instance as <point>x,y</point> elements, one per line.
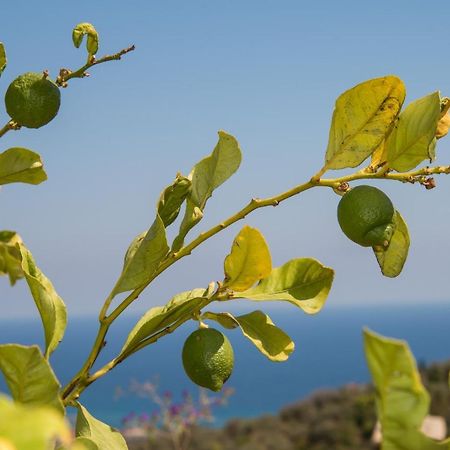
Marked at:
<point>362,118</point>
<point>249,260</point>
<point>270,340</point>
<point>303,282</point>
<point>10,257</point>
<point>80,443</point>
<point>80,31</point>
<point>392,258</point>
<point>105,436</point>
<point>3,60</point>
<point>443,126</point>
<point>159,317</point>
<point>207,175</point>
<point>402,401</point>
<point>143,257</point>
<point>408,144</point>
<point>215,169</point>
<point>29,376</point>
<point>172,198</point>
<point>20,165</point>
<point>49,304</point>
<point>32,428</point>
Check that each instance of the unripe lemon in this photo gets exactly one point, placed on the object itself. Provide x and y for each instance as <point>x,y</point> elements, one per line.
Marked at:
<point>365,215</point>
<point>32,100</point>
<point>208,358</point>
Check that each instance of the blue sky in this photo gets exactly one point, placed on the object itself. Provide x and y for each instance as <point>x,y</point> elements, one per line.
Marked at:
<point>268,72</point>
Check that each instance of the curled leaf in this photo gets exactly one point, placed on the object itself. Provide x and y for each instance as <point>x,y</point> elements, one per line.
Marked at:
<point>80,31</point>
<point>10,258</point>
<point>256,326</point>
<point>393,257</point>
<point>172,198</point>
<point>3,60</point>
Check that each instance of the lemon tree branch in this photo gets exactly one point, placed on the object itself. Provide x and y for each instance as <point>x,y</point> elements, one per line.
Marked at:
<point>65,74</point>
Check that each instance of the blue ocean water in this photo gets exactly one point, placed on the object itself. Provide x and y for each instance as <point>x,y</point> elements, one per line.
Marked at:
<point>328,353</point>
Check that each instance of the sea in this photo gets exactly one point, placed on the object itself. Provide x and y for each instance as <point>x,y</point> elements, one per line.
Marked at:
<point>328,353</point>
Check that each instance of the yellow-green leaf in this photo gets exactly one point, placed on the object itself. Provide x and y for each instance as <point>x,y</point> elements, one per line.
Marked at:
<point>249,260</point>
<point>80,31</point>
<point>362,118</point>
<point>32,428</point>
<point>29,376</point>
<point>10,257</point>
<point>143,257</point>
<point>160,317</point>
<point>402,400</point>
<point>20,165</point>
<point>192,216</point>
<point>49,304</point>
<point>3,60</point>
<point>172,198</point>
<point>304,282</point>
<point>409,143</point>
<point>392,259</point>
<point>215,169</point>
<point>270,340</point>
<point>105,436</point>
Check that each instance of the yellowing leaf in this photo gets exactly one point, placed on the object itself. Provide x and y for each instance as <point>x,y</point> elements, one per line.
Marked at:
<point>103,435</point>
<point>392,258</point>
<point>29,376</point>
<point>10,257</point>
<point>20,165</point>
<point>443,126</point>
<point>409,143</point>
<point>49,304</point>
<point>362,118</point>
<point>32,428</point>
<point>92,37</point>
<point>249,260</point>
<point>3,59</point>
<point>304,282</point>
<point>402,400</point>
<point>270,340</point>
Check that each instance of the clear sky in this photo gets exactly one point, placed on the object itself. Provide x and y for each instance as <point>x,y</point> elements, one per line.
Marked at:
<point>266,71</point>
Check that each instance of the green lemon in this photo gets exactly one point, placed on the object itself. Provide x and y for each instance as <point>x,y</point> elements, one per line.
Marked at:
<point>32,100</point>
<point>365,215</point>
<point>208,358</point>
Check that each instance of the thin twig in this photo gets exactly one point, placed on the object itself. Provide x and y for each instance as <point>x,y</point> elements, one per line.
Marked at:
<point>65,74</point>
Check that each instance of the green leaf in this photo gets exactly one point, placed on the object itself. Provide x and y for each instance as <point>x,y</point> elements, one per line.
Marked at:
<point>80,31</point>
<point>409,143</point>
<point>392,259</point>
<point>29,376</point>
<point>160,317</point>
<point>303,282</point>
<point>49,304</point>
<point>20,165</point>
<point>81,443</point>
<point>362,118</point>
<point>172,198</point>
<point>31,428</point>
<point>192,216</point>
<point>3,60</point>
<point>402,401</point>
<point>215,169</point>
<point>10,257</point>
<point>143,257</point>
<point>249,260</point>
<point>103,435</point>
<point>270,340</point>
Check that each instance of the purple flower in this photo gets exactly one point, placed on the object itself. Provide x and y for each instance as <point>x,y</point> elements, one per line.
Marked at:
<point>144,417</point>
<point>174,410</point>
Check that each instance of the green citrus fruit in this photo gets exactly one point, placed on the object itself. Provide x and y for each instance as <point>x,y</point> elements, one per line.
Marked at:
<point>208,358</point>
<point>365,215</point>
<point>32,100</point>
